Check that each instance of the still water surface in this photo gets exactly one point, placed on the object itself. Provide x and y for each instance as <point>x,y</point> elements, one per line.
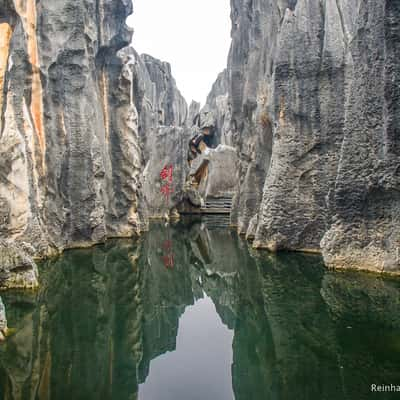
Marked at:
<point>190,312</point>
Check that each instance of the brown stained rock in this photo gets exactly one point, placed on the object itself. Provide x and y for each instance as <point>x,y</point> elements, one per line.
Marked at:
<point>5,37</point>
<point>70,156</point>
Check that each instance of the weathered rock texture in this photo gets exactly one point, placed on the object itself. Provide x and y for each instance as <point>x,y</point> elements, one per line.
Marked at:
<point>166,126</point>
<point>217,172</point>
<point>366,206</point>
<point>218,102</point>
<point>313,101</point>
<point>70,158</point>
<point>163,132</point>
<point>213,160</point>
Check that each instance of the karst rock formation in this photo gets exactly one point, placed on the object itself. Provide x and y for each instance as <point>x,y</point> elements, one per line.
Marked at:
<point>70,157</point>
<point>311,99</point>
<point>307,115</point>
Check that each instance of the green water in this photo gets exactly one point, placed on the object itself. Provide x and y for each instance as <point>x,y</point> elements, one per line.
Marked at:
<point>190,312</point>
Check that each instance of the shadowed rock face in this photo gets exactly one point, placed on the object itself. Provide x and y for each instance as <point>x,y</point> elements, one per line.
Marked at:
<point>366,204</point>
<point>217,101</point>
<point>312,108</point>
<point>69,147</point>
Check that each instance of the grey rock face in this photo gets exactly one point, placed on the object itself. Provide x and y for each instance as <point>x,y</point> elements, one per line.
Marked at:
<point>313,98</point>
<point>165,141</point>
<point>365,232</point>
<point>169,154</point>
<point>164,136</point>
<point>308,98</point>
<point>194,110</point>
<point>213,159</point>
<point>169,104</point>
<point>70,159</point>
<point>220,177</point>
<point>241,96</point>
<point>218,103</point>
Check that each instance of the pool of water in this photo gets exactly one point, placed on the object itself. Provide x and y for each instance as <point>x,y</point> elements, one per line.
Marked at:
<point>191,312</point>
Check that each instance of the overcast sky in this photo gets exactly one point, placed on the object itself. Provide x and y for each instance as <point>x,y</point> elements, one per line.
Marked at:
<point>192,35</point>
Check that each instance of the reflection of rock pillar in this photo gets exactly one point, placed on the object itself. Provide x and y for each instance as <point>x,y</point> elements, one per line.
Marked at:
<point>3,321</point>
<point>5,37</point>
<point>27,11</point>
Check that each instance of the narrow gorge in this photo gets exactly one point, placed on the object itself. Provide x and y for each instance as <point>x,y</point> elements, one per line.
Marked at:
<point>305,105</point>
<point>297,149</point>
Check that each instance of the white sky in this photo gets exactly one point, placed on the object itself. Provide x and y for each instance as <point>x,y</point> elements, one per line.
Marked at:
<point>192,35</point>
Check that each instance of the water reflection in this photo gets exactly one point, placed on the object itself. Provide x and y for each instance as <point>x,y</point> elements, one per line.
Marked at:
<point>187,373</point>
<point>224,322</point>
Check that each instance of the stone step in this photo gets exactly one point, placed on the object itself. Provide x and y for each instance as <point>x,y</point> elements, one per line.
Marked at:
<point>219,203</point>
<point>215,210</point>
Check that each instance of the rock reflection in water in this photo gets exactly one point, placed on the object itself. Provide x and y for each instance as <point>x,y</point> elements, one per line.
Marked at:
<point>114,322</point>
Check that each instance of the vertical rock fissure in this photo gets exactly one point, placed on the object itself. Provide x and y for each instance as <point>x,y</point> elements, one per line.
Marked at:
<point>28,13</point>
<point>5,38</point>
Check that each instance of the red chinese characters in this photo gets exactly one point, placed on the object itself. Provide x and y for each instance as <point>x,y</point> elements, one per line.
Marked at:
<point>167,190</point>
<point>167,175</point>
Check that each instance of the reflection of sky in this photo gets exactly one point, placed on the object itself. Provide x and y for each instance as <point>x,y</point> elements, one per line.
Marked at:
<point>200,368</point>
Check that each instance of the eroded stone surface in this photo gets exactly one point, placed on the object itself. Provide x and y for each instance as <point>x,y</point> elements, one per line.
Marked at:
<point>218,178</point>
<point>70,156</point>
<point>163,131</point>
<point>309,100</point>
<point>315,124</point>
